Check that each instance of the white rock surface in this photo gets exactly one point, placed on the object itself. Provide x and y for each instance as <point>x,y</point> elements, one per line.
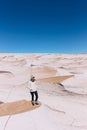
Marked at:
<point>63,107</point>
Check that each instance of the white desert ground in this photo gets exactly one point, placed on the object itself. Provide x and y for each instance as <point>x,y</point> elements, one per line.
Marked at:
<point>62,87</point>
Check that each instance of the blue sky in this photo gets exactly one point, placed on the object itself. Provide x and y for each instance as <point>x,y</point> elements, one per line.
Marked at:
<point>47,26</point>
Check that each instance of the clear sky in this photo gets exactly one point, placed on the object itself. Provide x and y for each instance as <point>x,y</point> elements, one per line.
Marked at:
<point>49,26</point>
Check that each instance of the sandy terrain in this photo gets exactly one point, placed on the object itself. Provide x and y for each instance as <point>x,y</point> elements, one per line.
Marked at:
<point>16,107</point>
<point>62,87</point>
<point>56,79</point>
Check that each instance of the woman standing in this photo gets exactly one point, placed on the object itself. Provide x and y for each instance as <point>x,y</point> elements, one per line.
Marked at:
<point>33,91</point>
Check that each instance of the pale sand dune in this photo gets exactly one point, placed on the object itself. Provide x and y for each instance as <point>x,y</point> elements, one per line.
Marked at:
<point>46,68</point>
<point>21,106</point>
<point>56,79</point>
<point>6,74</point>
<point>16,107</point>
<point>39,72</point>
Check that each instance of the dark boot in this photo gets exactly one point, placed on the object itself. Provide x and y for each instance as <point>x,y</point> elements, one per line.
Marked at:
<point>36,103</point>
<point>33,103</point>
